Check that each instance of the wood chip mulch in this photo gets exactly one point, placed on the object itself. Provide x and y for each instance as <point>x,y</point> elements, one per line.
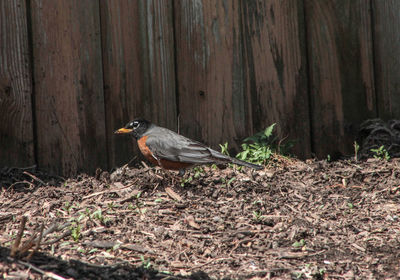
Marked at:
<point>302,220</point>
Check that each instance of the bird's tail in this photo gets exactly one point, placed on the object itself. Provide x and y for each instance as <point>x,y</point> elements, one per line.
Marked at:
<point>245,163</point>
<point>224,158</point>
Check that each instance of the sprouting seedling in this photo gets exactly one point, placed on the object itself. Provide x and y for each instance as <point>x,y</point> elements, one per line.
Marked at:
<point>381,153</point>
<point>224,148</point>
<point>356,149</point>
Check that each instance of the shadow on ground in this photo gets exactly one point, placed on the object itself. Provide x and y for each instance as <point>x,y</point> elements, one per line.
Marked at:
<point>16,269</point>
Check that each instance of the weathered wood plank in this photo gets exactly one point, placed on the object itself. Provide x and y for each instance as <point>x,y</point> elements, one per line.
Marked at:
<point>277,69</point>
<point>68,86</point>
<point>386,16</point>
<point>211,80</point>
<point>139,73</point>
<point>16,125</point>
<point>341,75</point>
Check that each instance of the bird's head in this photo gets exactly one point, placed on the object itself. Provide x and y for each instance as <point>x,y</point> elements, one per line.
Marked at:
<point>136,128</point>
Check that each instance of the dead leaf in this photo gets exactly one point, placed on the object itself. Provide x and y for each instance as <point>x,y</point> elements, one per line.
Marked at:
<point>173,194</point>
<point>190,220</point>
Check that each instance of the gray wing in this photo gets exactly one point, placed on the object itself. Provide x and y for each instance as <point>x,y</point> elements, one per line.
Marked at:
<point>176,147</point>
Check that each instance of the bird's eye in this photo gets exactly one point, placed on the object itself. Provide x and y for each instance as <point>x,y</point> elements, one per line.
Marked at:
<point>135,124</point>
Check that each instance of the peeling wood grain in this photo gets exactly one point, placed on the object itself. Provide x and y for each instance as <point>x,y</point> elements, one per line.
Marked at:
<point>139,68</point>
<point>69,86</point>
<point>16,123</point>
<point>341,72</point>
<point>276,69</point>
<point>386,16</point>
<point>211,81</point>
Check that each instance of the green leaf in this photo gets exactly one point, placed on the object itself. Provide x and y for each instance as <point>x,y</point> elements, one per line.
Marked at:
<point>269,129</point>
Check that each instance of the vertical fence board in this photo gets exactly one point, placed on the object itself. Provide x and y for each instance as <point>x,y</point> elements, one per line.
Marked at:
<point>277,69</point>
<point>386,16</point>
<point>68,85</point>
<point>213,106</point>
<point>341,72</point>
<point>239,64</point>
<point>16,125</point>
<point>139,73</point>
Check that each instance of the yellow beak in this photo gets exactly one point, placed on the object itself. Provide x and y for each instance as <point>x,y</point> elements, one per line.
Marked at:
<point>123,130</point>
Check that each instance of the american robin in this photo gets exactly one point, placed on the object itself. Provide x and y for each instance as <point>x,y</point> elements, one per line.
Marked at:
<point>170,150</point>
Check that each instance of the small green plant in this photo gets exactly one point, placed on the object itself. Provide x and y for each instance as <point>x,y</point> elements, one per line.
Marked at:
<point>224,148</point>
<point>381,153</point>
<point>111,205</point>
<point>81,250</point>
<point>328,158</point>
<point>258,202</point>
<point>185,181</point>
<point>81,216</point>
<point>65,243</point>
<point>68,207</point>
<point>299,244</point>
<point>75,231</point>
<point>297,274</point>
<point>145,262</point>
<point>98,215</point>
<point>198,171</point>
<point>356,149</point>
<point>228,182</point>
<point>321,271</point>
<point>257,215</point>
<point>260,147</point>
<point>94,250</point>
<point>116,246</point>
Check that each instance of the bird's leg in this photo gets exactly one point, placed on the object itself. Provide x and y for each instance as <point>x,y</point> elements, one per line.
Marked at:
<point>174,178</point>
<point>166,171</point>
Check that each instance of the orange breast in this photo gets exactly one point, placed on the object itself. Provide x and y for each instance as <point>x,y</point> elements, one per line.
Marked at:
<point>146,151</point>
<point>166,164</point>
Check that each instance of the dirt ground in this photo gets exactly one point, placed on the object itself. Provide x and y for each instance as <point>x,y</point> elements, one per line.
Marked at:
<point>297,220</point>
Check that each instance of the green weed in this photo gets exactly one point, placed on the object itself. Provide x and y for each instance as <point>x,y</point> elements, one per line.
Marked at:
<point>356,149</point>
<point>381,153</point>
<point>224,149</point>
<point>198,171</point>
<point>260,147</point>
<point>226,182</point>
<point>328,158</point>
<point>350,205</point>
<point>75,231</point>
<point>185,181</point>
<point>300,243</point>
<point>98,215</point>
<point>257,215</point>
<point>68,207</point>
<point>145,262</point>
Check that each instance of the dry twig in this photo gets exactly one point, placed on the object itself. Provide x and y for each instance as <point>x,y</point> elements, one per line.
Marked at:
<point>17,242</point>
<point>37,243</point>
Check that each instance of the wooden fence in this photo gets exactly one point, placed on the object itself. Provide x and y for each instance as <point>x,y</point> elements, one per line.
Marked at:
<point>72,71</point>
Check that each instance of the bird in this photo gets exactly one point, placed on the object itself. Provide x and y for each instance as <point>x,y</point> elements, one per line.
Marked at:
<point>172,151</point>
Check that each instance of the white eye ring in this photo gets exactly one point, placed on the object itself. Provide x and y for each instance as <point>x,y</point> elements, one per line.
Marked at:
<point>135,124</point>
